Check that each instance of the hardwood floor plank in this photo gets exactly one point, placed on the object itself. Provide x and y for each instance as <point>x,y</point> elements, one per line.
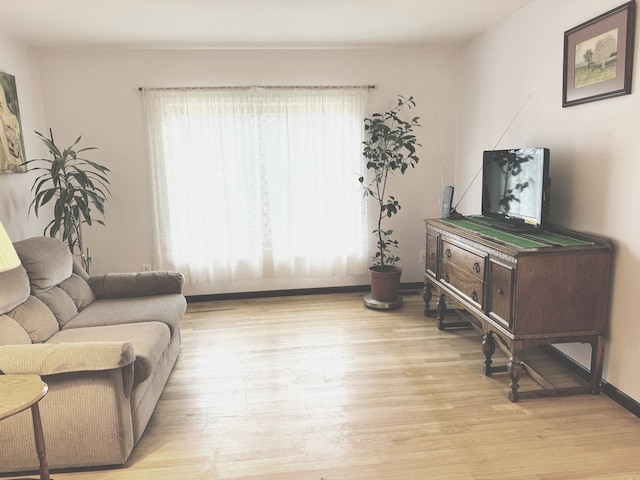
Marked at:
<point>321,388</point>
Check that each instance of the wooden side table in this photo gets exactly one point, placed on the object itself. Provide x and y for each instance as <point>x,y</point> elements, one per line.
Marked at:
<point>18,393</point>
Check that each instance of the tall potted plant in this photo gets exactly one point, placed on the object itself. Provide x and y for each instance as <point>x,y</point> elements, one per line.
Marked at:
<point>389,147</point>
<point>77,185</point>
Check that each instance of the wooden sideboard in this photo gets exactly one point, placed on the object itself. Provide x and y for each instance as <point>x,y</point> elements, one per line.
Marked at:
<point>522,290</point>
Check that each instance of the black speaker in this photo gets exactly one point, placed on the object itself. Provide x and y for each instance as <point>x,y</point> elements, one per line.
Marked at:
<point>447,199</point>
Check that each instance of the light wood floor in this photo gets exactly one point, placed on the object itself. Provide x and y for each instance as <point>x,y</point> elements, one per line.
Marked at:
<point>319,387</point>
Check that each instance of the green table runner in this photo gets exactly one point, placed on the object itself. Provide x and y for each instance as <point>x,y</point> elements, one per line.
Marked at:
<point>533,239</point>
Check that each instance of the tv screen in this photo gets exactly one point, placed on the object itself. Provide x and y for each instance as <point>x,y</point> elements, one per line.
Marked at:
<point>516,186</point>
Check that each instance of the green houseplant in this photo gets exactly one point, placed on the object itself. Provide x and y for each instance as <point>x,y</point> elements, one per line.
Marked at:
<point>389,148</point>
<point>77,185</point>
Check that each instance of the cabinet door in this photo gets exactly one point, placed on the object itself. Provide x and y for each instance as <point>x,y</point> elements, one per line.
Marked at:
<point>432,254</point>
<point>501,293</point>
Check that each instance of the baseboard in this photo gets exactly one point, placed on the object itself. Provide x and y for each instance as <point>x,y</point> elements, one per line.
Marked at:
<point>411,288</point>
<point>609,390</point>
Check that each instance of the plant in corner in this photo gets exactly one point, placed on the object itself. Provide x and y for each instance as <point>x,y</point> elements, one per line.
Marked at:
<point>389,147</point>
<point>77,185</point>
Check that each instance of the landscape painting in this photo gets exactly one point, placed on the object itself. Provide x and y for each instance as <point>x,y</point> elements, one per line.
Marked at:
<point>11,139</point>
<point>598,57</point>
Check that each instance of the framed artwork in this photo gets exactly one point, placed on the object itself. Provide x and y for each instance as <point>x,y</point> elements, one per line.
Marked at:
<point>598,57</point>
<point>12,149</point>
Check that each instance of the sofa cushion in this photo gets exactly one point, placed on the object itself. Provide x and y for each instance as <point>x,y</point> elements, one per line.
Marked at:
<point>47,261</point>
<point>150,341</point>
<point>79,291</point>
<point>36,319</point>
<point>60,303</point>
<point>14,288</point>
<point>12,333</point>
<point>167,309</point>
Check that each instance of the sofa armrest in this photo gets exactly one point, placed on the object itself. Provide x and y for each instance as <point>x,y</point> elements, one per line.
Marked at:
<point>50,359</point>
<point>143,284</point>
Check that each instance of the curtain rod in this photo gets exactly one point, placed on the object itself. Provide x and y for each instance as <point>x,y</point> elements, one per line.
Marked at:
<point>274,87</point>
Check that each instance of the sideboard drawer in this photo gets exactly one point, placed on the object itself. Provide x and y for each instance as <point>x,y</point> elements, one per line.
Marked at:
<point>466,284</point>
<point>465,260</point>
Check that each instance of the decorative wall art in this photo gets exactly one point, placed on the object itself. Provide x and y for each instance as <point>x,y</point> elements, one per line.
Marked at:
<point>12,149</point>
<point>598,57</point>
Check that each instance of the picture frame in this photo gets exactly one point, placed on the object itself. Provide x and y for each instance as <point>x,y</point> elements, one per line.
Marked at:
<point>12,156</point>
<point>598,57</point>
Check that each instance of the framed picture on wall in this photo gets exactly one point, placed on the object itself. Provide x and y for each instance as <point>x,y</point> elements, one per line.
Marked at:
<point>598,57</point>
<point>12,149</point>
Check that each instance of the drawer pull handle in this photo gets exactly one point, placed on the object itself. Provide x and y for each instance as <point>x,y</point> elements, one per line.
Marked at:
<point>500,291</point>
<point>447,253</point>
<point>476,267</point>
<point>474,296</point>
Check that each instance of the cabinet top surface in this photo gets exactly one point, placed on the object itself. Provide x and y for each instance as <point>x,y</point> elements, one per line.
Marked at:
<point>481,230</point>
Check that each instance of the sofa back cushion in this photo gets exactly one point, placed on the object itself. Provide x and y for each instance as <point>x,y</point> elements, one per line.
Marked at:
<point>14,288</point>
<point>79,290</point>
<point>47,261</point>
<point>12,333</point>
<point>60,303</point>
<point>50,266</point>
<point>36,319</point>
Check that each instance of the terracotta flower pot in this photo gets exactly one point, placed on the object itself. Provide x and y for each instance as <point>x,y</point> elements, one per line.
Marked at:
<point>385,286</point>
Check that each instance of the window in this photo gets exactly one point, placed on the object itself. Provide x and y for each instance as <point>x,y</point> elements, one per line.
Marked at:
<point>257,183</point>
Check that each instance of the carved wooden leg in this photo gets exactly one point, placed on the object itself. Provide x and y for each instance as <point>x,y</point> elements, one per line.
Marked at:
<point>426,297</point>
<point>514,367</point>
<point>441,307</point>
<point>597,362</point>
<point>488,348</point>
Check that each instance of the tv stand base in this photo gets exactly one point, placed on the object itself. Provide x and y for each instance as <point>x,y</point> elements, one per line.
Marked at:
<point>521,297</point>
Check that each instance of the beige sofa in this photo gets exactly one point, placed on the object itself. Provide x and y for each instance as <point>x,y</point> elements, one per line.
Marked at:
<point>104,344</point>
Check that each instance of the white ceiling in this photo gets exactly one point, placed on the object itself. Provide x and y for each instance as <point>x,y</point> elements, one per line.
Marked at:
<point>249,23</point>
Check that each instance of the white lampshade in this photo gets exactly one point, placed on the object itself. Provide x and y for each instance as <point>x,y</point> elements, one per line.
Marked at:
<point>8,256</point>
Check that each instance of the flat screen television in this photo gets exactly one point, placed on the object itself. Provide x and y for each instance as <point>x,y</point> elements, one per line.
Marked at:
<point>516,187</point>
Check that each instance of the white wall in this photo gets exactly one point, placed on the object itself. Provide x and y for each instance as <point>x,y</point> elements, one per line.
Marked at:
<point>95,94</point>
<point>15,189</point>
<point>595,150</point>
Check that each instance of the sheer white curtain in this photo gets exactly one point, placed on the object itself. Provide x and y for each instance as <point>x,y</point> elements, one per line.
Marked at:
<point>257,183</point>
